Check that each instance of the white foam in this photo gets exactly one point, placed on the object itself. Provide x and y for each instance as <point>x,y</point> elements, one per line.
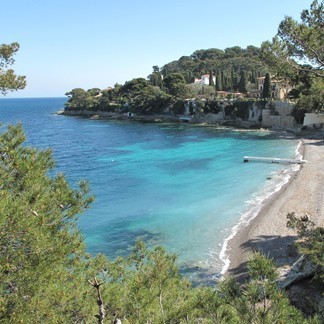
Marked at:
<point>255,204</point>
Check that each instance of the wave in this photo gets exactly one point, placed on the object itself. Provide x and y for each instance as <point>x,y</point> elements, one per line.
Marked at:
<point>255,204</point>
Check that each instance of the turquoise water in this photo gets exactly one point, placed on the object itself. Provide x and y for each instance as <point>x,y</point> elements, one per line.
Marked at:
<point>181,186</point>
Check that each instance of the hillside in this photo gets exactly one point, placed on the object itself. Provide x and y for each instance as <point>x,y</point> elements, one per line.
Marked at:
<point>228,65</point>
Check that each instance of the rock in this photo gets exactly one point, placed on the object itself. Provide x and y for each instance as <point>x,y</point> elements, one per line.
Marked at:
<point>94,117</point>
<point>301,269</point>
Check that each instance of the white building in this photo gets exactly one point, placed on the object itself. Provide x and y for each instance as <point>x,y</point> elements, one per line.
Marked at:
<point>204,79</point>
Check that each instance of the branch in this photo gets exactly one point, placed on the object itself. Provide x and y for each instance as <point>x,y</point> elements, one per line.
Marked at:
<point>304,44</point>
<point>102,312</point>
<point>297,67</point>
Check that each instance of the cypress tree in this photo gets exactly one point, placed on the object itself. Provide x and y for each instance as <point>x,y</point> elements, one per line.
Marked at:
<point>253,78</point>
<point>219,86</point>
<point>211,81</point>
<point>222,81</point>
<point>242,83</point>
<point>233,79</point>
<point>266,93</point>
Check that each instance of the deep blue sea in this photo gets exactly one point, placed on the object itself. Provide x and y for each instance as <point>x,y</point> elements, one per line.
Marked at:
<point>181,186</point>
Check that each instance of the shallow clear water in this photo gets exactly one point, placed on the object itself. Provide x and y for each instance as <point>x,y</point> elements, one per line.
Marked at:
<point>182,186</point>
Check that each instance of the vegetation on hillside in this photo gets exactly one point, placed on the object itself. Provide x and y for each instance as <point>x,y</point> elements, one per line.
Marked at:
<point>295,56</point>
<point>229,66</point>
<point>234,69</point>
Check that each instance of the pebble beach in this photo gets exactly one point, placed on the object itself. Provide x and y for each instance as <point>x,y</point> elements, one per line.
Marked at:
<point>267,233</point>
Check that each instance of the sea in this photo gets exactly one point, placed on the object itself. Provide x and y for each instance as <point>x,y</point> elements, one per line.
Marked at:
<point>182,186</point>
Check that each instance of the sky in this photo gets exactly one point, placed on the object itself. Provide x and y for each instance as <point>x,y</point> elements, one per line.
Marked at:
<point>67,44</point>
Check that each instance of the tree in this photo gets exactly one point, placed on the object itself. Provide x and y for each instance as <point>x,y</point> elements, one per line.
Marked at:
<point>211,80</point>
<point>219,85</point>
<point>298,46</point>
<point>155,77</point>
<point>156,69</point>
<point>46,276</point>
<point>82,99</point>
<point>311,241</point>
<point>175,85</point>
<point>9,81</point>
<point>266,93</point>
<point>94,92</point>
<point>43,264</point>
<point>298,51</point>
<point>242,83</point>
<point>259,300</point>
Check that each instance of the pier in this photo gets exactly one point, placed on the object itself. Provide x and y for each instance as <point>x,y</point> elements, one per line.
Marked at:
<point>272,160</point>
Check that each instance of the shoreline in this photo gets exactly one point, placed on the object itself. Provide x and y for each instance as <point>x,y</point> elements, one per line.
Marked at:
<point>163,118</point>
<point>255,209</point>
<point>267,232</point>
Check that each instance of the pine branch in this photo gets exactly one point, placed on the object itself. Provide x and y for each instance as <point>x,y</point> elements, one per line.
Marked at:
<point>102,311</point>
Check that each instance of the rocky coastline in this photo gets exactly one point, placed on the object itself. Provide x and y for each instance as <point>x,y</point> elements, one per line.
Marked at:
<point>202,120</point>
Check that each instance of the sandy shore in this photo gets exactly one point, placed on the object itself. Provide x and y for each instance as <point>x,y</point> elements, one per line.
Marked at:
<point>303,194</point>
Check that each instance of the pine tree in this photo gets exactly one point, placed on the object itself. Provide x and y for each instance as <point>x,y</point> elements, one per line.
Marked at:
<point>42,257</point>
<point>9,81</point>
<point>46,276</point>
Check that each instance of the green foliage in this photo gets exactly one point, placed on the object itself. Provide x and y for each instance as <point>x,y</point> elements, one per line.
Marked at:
<point>242,83</point>
<point>219,84</point>
<point>144,98</point>
<point>174,82</point>
<point>175,85</point>
<point>147,287</point>
<point>229,63</point>
<point>259,301</point>
<point>212,106</point>
<point>313,100</point>
<point>9,81</point>
<point>239,109</point>
<point>296,54</point>
<point>46,276</point>
<point>156,77</point>
<point>196,89</point>
<point>43,265</point>
<point>298,45</point>
<point>111,99</point>
<point>311,242</point>
<point>211,80</point>
<point>266,93</point>
<point>82,99</point>
<point>137,95</point>
<point>310,94</point>
<point>179,107</point>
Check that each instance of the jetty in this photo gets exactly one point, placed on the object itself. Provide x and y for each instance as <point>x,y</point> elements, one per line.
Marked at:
<point>272,160</point>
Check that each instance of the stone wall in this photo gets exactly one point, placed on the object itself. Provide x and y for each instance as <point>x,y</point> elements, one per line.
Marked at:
<point>313,119</point>
<point>279,116</point>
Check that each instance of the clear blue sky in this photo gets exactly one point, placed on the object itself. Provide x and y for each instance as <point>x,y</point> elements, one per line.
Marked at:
<point>81,43</point>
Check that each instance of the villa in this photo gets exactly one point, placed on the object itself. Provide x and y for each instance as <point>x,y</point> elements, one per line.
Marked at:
<point>204,79</point>
<point>279,89</point>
